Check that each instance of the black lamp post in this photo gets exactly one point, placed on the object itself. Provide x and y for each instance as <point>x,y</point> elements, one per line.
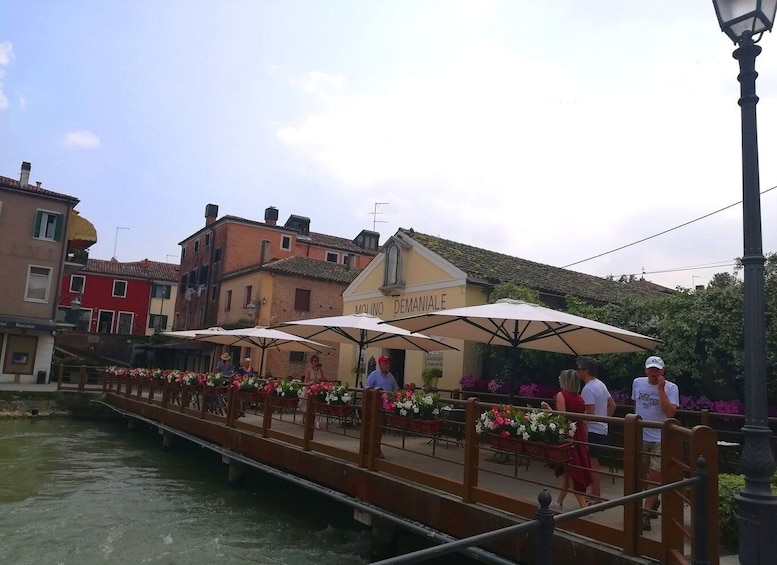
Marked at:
<point>744,21</point>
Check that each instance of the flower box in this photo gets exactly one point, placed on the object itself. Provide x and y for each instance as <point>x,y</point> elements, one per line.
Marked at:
<point>336,410</point>
<point>560,453</point>
<point>429,427</point>
<point>288,403</point>
<point>252,397</point>
<point>395,421</point>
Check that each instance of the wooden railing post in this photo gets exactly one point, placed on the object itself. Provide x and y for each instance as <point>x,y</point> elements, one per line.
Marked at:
<point>60,376</point>
<point>632,472</point>
<point>471,449</point>
<point>673,469</point>
<point>309,420</point>
<point>81,378</point>
<point>267,417</point>
<point>364,437</point>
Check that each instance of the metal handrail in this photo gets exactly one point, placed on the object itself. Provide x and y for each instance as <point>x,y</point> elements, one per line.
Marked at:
<point>546,520</point>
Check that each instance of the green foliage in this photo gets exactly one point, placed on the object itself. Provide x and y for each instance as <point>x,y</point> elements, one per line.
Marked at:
<point>728,487</point>
<point>430,375</point>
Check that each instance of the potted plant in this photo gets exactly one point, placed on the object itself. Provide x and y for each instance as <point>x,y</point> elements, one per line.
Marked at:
<point>537,432</point>
<point>430,376</point>
<point>412,410</point>
<point>331,398</point>
<point>284,393</point>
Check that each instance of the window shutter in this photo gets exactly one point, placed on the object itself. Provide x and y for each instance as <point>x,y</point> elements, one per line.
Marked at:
<point>38,218</point>
<point>58,228</point>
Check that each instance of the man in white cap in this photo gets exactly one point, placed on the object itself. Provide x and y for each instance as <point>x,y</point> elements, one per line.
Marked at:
<point>655,400</point>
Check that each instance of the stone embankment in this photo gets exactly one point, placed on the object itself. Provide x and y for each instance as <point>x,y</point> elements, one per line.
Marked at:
<point>31,408</point>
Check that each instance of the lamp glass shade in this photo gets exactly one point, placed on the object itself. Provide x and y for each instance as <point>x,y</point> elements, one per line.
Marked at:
<point>739,16</point>
<point>75,304</point>
<point>252,306</point>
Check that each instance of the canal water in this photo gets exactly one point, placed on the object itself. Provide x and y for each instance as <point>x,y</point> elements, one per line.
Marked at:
<point>92,492</point>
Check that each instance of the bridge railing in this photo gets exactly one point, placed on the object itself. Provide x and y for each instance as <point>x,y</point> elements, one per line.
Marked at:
<point>476,481</point>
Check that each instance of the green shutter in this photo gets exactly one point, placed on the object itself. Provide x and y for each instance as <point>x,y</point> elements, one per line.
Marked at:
<point>36,229</point>
<point>58,228</point>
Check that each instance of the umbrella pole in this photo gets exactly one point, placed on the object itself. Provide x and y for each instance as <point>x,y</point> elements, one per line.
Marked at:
<point>358,366</point>
<point>261,362</point>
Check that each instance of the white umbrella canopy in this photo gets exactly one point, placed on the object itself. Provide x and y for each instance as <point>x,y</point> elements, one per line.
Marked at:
<point>517,324</point>
<point>260,337</point>
<point>191,334</point>
<point>514,323</point>
<point>362,330</point>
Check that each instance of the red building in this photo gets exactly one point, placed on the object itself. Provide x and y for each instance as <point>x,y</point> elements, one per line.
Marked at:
<point>119,298</point>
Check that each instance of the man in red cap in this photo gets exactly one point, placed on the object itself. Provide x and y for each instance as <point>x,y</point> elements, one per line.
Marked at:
<point>380,377</point>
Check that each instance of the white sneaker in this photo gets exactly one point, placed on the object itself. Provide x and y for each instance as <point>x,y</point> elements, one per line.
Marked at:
<point>555,506</point>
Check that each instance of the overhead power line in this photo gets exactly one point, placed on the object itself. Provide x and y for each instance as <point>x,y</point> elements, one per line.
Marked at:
<point>662,233</point>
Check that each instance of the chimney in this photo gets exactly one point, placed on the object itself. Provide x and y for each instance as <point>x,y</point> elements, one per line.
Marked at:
<point>24,178</point>
<point>211,213</point>
<point>265,256</point>
<point>271,216</point>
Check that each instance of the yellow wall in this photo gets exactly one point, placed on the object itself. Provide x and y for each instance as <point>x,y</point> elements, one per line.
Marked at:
<point>418,270</point>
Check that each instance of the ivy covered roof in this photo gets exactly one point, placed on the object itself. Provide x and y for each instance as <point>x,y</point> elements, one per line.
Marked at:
<point>489,267</point>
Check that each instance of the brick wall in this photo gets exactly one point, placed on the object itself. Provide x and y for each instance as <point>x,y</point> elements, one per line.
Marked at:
<point>325,300</point>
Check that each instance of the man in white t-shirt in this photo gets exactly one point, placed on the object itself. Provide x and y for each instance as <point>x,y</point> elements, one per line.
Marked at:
<point>655,400</point>
<point>599,403</point>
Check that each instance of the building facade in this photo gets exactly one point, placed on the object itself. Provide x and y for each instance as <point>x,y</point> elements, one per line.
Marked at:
<point>416,273</point>
<point>294,288</point>
<point>230,244</point>
<point>111,297</point>
<point>42,239</point>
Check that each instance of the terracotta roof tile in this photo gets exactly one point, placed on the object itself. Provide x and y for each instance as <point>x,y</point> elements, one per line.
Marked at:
<point>493,268</point>
<point>13,184</point>
<point>145,269</point>
<point>313,268</point>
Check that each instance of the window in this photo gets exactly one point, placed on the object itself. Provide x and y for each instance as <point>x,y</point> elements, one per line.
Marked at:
<point>302,300</point>
<point>286,242</point>
<point>184,283</point>
<point>247,296</point>
<point>157,322</point>
<point>48,225</point>
<point>296,356</point>
<point>160,290</point>
<point>207,239</point>
<point>197,246</point>
<point>38,279</point>
<point>77,283</point>
<point>120,289</point>
<point>183,253</point>
<point>125,323</point>
<point>392,266</point>
<point>228,301</point>
<point>217,255</point>
<point>213,293</point>
<point>204,274</point>
<point>105,321</point>
<point>332,257</point>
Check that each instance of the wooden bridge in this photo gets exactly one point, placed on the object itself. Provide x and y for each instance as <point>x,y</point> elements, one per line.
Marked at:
<point>447,480</point>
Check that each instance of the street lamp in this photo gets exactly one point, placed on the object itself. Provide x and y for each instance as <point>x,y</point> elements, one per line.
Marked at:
<point>253,309</point>
<point>742,21</point>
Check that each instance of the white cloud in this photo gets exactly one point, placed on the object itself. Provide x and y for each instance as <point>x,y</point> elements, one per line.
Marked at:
<point>6,53</point>
<point>81,138</point>
<point>6,56</point>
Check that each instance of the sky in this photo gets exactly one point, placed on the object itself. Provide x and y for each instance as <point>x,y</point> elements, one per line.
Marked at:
<point>551,131</point>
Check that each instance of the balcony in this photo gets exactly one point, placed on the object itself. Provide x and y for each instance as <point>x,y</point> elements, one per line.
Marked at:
<point>75,260</point>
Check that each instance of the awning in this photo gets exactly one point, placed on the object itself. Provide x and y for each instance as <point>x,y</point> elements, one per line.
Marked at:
<point>80,232</point>
<point>21,323</point>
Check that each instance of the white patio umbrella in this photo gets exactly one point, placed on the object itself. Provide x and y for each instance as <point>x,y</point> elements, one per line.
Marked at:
<point>362,330</point>
<point>261,337</point>
<point>191,334</point>
<point>514,323</point>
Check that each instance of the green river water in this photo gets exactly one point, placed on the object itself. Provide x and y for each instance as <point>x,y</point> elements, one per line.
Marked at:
<point>78,492</point>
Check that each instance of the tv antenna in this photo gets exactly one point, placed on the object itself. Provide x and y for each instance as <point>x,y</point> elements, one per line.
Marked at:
<point>116,240</point>
<point>167,257</point>
<point>375,214</point>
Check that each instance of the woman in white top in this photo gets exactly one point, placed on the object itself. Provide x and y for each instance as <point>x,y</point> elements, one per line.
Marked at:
<point>313,374</point>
